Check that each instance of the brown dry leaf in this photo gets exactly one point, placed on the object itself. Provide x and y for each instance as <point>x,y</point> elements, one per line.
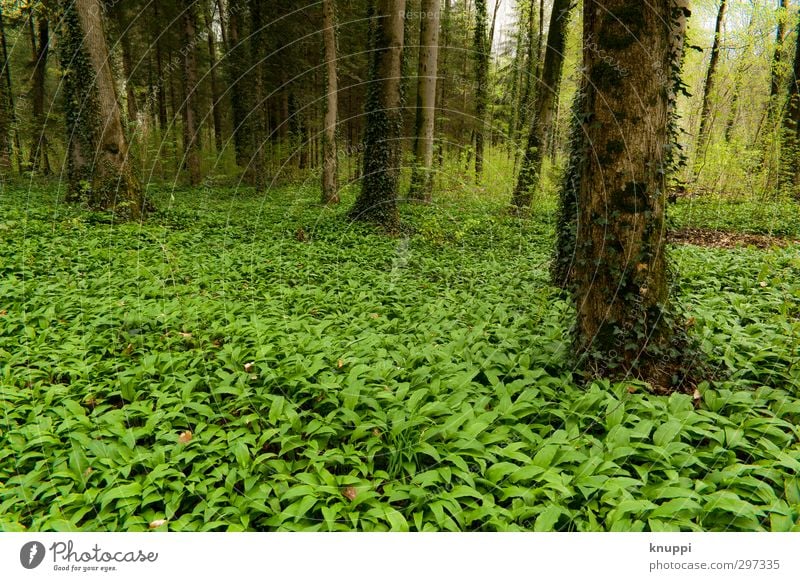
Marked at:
<point>185,437</point>
<point>3,313</point>
<point>641,266</point>
<point>185,335</point>
<point>248,367</point>
<point>350,493</point>
<point>340,364</point>
<point>696,395</point>
<point>159,522</point>
<point>631,389</point>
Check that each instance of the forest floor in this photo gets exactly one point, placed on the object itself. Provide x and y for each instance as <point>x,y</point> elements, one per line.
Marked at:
<point>250,362</point>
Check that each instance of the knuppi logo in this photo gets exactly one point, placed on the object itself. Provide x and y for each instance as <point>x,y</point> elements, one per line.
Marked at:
<point>31,554</point>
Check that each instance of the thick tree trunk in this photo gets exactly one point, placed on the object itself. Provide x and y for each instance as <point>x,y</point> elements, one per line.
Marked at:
<point>544,109</point>
<point>99,169</point>
<point>5,109</point>
<point>708,87</point>
<point>482,52</point>
<point>38,160</point>
<point>377,201</point>
<point>191,135</point>
<point>631,55</point>
<point>330,167</point>
<point>443,82</point>
<point>8,102</point>
<point>790,140</point>
<point>422,171</point>
<point>216,106</point>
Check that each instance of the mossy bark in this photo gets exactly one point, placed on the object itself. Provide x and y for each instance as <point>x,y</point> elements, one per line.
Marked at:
<point>377,201</point>
<point>330,166</point>
<point>99,169</point>
<point>482,52</point>
<point>631,58</point>
<point>421,174</point>
<point>544,106</point>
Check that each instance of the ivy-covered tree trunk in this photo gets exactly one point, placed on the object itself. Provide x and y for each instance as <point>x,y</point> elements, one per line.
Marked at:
<point>38,160</point>
<point>421,174</point>
<point>708,86</point>
<point>631,56</point>
<point>99,170</point>
<point>330,166</point>
<point>775,83</point>
<point>544,108</point>
<point>790,131</point>
<point>482,53</point>
<point>377,201</point>
<point>191,134</point>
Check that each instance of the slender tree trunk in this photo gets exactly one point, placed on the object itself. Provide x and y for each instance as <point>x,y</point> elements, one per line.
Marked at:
<point>620,278</point>
<point>160,96</point>
<point>544,108</point>
<point>708,87</point>
<point>733,113</point>
<point>5,109</point>
<point>38,160</point>
<point>330,168</point>
<point>99,169</point>
<point>216,106</point>
<point>191,134</point>
<point>422,171</point>
<point>238,65</point>
<point>127,69</point>
<point>377,201</point>
<point>482,52</point>
<point>443,82</point>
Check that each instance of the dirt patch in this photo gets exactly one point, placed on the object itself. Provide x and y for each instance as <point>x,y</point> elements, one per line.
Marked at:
<point>721,239</point>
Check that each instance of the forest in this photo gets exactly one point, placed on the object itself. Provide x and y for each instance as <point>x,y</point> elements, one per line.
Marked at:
<point>399,265</point>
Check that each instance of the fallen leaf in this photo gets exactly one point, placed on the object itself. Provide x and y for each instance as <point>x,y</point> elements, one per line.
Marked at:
<point>159,522</point>
<point>762,284</point>
<point>340,364</point>
<point>3,313</point>
<point>248,367</point>
<point>631,389</point>
<point>696,395</point>
<point>185,437</point>
<point>350,493</point>
<point>185,335</point>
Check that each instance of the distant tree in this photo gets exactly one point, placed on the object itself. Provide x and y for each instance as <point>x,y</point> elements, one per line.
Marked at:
<point>99,169</point>
<point>482,51</point>
<point>38,160</point>
<point>191,133</point>
<point>619,281</point>
<point>708,86</point>
<point>6,109</point>
<point>216,104</point>
<point>544,106</point>
<point>377,201</point>
<point>330,166</point>
<point>789,174</point>
<point>422,176</point>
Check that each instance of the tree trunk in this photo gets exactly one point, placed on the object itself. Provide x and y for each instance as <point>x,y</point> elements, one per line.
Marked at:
<point>544,108</point>
<point>5,109</point>
<point>422,171</point>
<point>733,112</point>
<point>216,106</point>
<point>99,169</point>
<point>161,96</point>
<point>780,36</point>
<point>790,165</point>
<point>443,83</point>
<point>377,201</point>
<point>127,69</point>
<point>620,278</point>
<point>8,102</point>
<point>238,65</point>
<point>191,136</point>
<point>330,168</point>
<point>708,87</point>
<point>481,82</point>
<point>38,160</point>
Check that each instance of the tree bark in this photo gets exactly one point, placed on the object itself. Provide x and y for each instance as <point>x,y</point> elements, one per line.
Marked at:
<point>191,136</point>
<point>443,82</point>
<point>330,166</point>
<point>216,106</point>
<point>161,97</point>
<point>481,82</point>
<point>790,140</point>
<point>544,108</point>
<point>780,36</point>
<point>422,171</point>
<point>99,169</point>
<point>632,52</point>
<point>708,87</point>
<point>377,201</point>
<point>38,161</point>
<point>127,69</point>
<point>7,103</point>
